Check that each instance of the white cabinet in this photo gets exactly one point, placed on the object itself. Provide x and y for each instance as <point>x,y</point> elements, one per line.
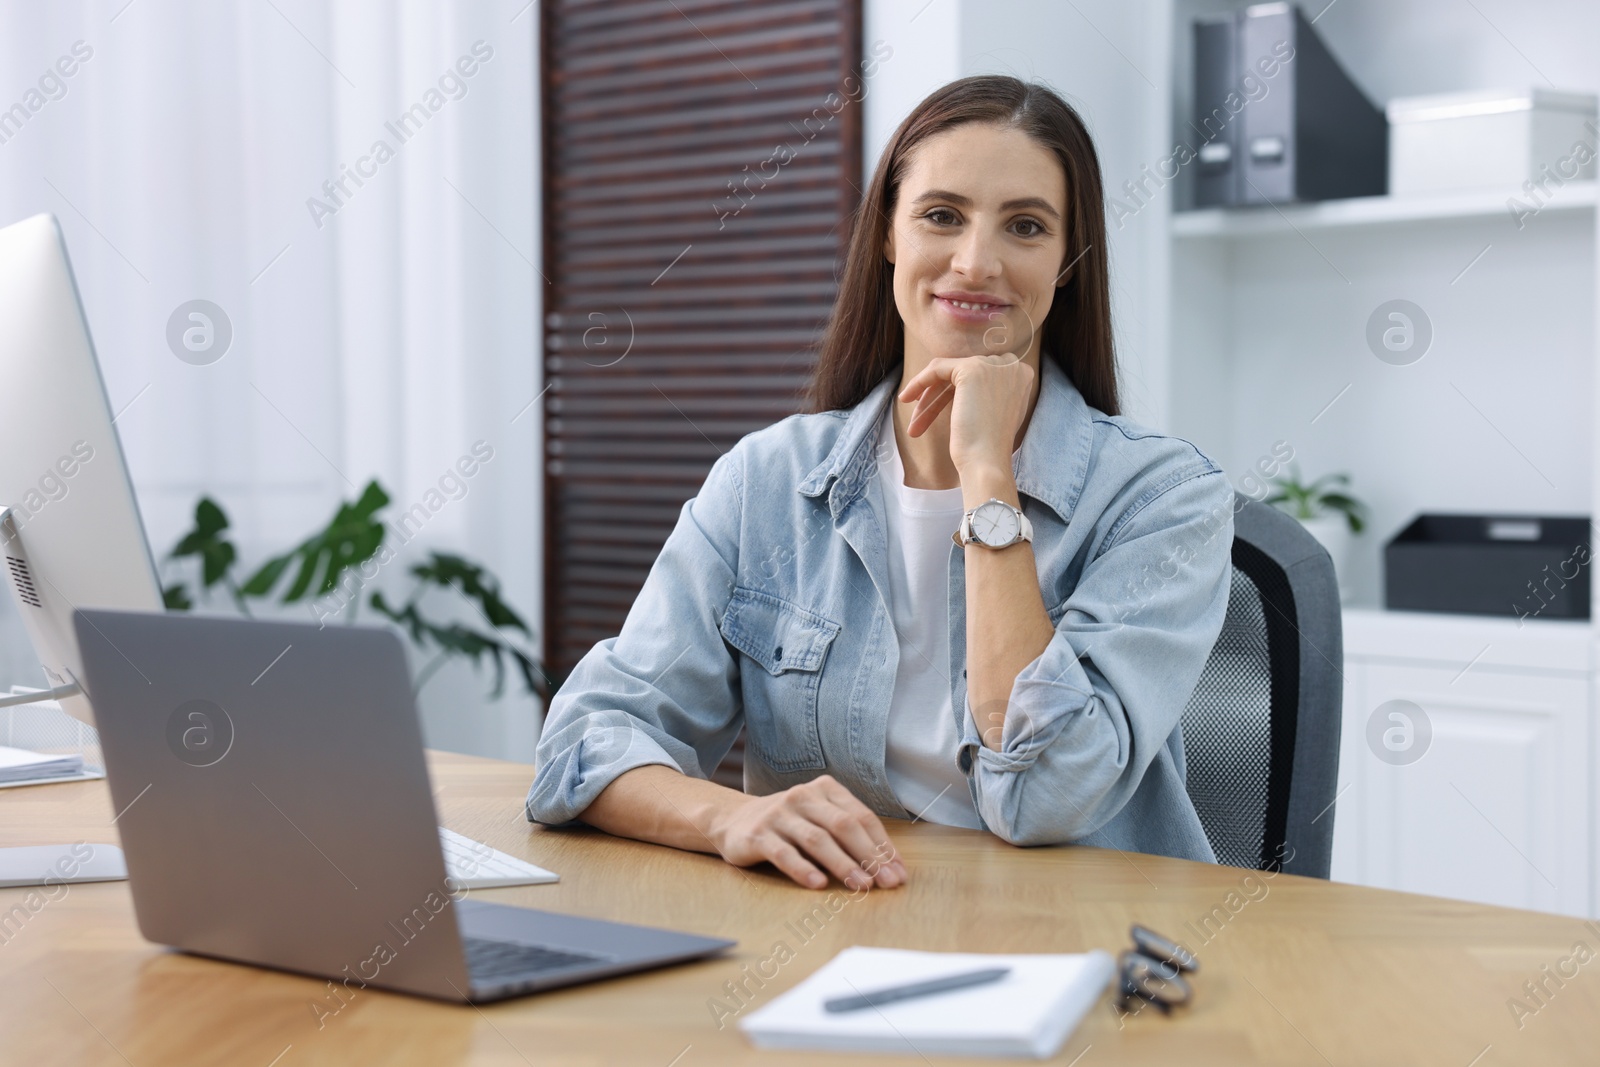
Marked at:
<point>1475,782</point>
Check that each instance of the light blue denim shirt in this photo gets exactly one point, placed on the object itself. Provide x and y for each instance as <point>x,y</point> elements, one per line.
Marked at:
<point>768,609</point>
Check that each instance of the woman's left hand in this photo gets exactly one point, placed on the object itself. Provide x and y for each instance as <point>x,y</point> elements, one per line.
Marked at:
<point>988,397</point>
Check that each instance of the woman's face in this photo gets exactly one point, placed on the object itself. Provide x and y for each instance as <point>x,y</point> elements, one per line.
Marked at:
<point>979,220</point>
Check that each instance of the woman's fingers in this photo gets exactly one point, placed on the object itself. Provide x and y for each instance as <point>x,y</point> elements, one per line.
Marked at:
<point>937,372</point>
<point>854,842</point>
<point>941,371</point>
<point>933,388</point>
<point>812,831</point>
<point>858,831</point>
<point>821,847</point>
<point>783,855</point>
<point>928,409</point>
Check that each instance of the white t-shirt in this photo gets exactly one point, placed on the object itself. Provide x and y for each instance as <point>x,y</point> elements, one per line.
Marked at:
<point>920,754</point>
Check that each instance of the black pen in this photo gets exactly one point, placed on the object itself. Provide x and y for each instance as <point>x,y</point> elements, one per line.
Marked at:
<point>879,997</point>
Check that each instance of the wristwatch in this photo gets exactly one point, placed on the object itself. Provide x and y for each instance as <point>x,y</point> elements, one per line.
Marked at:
<point>993,524</point>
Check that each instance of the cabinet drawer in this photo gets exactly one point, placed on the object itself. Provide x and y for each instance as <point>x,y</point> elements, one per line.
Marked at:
<point>1474,786</point>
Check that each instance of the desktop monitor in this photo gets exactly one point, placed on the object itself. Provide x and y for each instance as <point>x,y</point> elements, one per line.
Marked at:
<point>71,534</point>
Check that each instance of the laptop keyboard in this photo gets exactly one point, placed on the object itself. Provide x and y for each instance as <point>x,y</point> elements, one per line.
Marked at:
<point>489,962</point>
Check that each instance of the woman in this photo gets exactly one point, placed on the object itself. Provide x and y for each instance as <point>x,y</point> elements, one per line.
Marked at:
<point>1027,679</point>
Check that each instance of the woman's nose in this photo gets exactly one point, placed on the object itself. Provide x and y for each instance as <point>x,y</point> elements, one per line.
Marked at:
<point>977,255</point>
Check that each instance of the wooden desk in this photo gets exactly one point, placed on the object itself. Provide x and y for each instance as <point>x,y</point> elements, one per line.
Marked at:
<point>1295,971</point>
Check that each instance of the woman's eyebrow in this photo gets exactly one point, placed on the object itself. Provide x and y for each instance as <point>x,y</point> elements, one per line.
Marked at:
<point>1033,202</point>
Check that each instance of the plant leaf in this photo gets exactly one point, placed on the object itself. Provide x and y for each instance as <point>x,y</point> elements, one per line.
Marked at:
<point>216,553</point>
<point>209,518</point>
<point>1342,502</point>
<point>1328,479</point>
<point>215,562</point>
<point>350,538</point>
<point>265,577</point>
<point>456,639</point>
<point>472,582</point>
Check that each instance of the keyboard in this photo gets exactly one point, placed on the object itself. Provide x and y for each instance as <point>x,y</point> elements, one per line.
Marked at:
<point>493,962</point>
<point>474,865</point>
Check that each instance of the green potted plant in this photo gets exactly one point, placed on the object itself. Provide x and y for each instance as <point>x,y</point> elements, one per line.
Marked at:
<point>1327,511</point>
<point>333,568</point>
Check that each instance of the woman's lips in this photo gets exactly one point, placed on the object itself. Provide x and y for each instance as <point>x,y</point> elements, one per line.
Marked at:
<point>985,315</point>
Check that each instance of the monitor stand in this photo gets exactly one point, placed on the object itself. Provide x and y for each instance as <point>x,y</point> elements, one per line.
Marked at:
<point>51,865</point>
<point>46,865</point>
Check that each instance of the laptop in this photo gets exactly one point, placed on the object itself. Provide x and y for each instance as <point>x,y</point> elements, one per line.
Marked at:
<point>275,809</point>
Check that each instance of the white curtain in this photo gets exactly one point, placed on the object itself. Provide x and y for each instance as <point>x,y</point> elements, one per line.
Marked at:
<point>383,301</point>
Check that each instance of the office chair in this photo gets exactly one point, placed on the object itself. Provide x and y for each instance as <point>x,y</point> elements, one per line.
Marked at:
<point>1261,731</point>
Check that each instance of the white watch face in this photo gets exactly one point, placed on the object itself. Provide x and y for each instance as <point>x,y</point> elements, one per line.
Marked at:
<point>995,524</point>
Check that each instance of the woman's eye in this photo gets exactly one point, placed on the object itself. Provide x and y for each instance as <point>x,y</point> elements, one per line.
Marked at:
<point>940,215</point>
<point>1037,227</point>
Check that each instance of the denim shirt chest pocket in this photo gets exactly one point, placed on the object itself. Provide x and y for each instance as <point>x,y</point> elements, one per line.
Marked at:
<point>784,647</point>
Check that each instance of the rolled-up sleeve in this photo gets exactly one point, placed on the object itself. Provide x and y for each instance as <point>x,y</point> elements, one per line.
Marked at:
<point>1087,717</point>
<point>666,689</point>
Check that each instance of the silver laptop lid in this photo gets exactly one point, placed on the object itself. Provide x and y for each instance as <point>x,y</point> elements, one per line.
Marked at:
<point>272,797</point>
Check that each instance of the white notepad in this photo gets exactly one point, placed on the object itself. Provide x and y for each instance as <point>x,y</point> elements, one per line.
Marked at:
<point>1029,1012</point>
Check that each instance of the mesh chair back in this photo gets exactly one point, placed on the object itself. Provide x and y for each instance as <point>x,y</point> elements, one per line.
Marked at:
<point>1261,730</point>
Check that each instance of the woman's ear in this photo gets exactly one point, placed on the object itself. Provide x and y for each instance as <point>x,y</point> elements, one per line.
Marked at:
<point>1066,273</point>
<point>888,243</point>
<point>1068,265</point>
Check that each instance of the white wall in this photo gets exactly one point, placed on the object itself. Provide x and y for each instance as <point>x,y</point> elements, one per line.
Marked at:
<point>381,343</point>
<point>923,35</point>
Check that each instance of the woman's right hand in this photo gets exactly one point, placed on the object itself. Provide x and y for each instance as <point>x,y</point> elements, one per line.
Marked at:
<point>808,830</point>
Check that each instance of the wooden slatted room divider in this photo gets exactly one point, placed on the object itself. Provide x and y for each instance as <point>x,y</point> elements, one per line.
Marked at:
<point>701,162</point>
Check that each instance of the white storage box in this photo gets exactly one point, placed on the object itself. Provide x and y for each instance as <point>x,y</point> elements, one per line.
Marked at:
<point>1490,139</point>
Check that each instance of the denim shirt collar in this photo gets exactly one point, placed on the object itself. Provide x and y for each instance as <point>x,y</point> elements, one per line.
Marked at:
<point>1050,467</point>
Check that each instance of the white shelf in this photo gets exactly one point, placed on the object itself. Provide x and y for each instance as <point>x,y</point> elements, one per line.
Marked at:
<point>1485,642</point>
<point>1268,220</point>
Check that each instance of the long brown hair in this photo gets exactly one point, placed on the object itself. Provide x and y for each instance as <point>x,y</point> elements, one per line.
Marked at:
<point>865,337</point>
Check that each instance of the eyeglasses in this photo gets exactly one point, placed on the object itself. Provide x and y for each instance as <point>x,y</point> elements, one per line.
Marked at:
<point>1152,971</point>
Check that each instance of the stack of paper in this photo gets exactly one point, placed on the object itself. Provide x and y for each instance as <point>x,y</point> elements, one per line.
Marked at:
<point>20,765</point>
<point>1029,1012</point>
